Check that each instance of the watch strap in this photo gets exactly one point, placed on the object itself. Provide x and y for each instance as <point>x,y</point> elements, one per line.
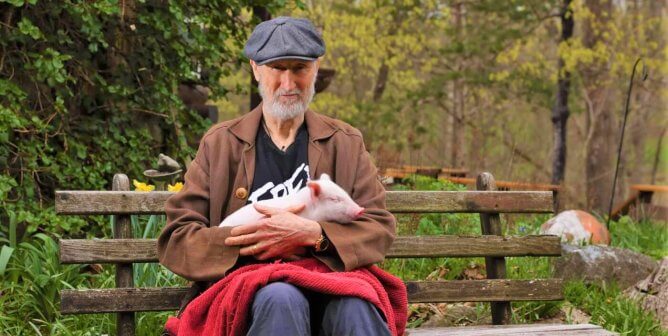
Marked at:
<point>321,244</point>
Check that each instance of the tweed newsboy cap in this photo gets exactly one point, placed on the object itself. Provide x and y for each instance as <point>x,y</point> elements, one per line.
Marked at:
<point>284,38</point>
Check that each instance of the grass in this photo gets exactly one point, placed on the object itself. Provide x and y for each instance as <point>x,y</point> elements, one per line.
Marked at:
<point>31,276</point>
<point>610,309</point>
<point>645,237</point>
<point>30,285</point>
<point>606,305</point>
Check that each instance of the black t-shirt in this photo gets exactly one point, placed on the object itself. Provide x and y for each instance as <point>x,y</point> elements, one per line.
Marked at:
<point>279,173</point>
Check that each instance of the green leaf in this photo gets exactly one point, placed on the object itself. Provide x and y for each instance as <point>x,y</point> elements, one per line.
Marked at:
<point>5,255</point>
<point>149,226</point>
<point>28,28</point>
<point>16,3</point>
<point>12,228</point>
<point>81,152</point>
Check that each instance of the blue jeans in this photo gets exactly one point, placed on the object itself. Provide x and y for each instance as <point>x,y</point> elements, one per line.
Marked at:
<point>283,309</point>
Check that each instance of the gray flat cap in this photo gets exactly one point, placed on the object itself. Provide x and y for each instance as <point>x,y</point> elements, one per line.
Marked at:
<point>284,38</point>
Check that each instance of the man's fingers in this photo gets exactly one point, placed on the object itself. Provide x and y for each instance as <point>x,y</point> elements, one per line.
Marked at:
<point>245,229</point>
<point>242,240</point>
<point>249,250</point>
<point>263,256</point>
<point>271,251</point>
<point>244,235</point>
<point>270,211</point>
<point>295,209</point>
<point>266,210</point>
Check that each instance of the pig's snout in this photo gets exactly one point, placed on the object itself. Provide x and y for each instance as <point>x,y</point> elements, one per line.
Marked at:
<point>358,213</point>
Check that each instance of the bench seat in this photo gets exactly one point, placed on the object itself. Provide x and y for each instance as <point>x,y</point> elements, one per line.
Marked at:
<point>514,330</point>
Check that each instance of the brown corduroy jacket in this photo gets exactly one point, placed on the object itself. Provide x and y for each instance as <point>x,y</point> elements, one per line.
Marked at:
<point>219,178</point>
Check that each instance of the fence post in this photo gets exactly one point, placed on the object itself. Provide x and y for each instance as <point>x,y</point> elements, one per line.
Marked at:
<point>125,322</point>
<point>495,266</point>
<point>556,201</point>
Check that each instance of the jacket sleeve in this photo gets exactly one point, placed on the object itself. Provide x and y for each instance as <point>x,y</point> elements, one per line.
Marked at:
<point>188,246</point>
<point>366,240</point>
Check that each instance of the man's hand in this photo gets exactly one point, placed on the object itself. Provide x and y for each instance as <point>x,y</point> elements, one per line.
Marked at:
<point>281,234</point>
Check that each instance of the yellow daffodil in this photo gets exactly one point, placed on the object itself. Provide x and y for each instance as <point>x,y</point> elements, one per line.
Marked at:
<point>141,186</point>
<point>176,187</point>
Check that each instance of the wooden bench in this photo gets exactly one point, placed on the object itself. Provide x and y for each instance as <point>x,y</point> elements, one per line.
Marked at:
<point>456,175</point>
<point>639,204</point>
<point>391,174</point>
<point>123,250</point>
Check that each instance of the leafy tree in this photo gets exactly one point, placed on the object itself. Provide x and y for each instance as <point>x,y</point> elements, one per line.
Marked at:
<point>381,51</point>
<point>474,84</point>
<point>560,113</point>
<point>613,35</point>
<point>88,89</point>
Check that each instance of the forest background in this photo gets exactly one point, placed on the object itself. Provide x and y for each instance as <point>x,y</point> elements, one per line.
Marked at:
<point>90,89</point>
<point>490,86</point>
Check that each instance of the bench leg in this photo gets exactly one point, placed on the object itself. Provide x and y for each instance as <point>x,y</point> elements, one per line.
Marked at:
<point>501,311</point>
<point>125,322</point>
<point>495,266</point>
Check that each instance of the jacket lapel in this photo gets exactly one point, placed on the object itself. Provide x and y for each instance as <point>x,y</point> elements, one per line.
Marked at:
<point>314,153</point>
<point>246,130</point>
<point>318,130</point>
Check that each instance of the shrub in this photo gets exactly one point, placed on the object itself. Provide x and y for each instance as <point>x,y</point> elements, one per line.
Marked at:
<point>89,88</point>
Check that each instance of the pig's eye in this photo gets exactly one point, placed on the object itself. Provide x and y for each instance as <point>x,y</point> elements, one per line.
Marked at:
<point>335,199</point>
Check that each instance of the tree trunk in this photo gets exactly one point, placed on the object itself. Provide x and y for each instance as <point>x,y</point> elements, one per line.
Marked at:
<point>599,161</point>
<point>457,134</point>
<point>657,156</point>
<point>384,70</point>
<point>560,112</point>
<point>381,81</point>
<point>599,145</point>
<point>476,149</point>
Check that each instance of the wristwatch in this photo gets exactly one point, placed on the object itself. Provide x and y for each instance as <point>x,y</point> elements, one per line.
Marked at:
<point>321,244</point>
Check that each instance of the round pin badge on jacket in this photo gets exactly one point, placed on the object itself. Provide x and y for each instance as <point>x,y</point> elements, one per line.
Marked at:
<point>241,193</point>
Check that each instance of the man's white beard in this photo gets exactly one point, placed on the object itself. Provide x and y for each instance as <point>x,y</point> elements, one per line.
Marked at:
<point>282,111</point>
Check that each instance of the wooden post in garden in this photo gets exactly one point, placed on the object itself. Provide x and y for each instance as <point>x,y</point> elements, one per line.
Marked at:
<point>556,202</point>
<point>125,322</point>
<point>495,266</point>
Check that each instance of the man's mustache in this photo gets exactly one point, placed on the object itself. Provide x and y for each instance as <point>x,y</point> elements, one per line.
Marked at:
<point>281,92</point>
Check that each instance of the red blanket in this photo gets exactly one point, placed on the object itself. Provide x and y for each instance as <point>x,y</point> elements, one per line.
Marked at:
<point>224,308</point>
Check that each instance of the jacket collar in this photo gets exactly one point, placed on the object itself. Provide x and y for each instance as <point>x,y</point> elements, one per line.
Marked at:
<point>318,127</point>
<point>246,127</point>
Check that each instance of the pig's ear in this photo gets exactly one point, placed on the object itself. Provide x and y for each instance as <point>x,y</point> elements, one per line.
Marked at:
<point>325,177</point>
<point>315,189</point>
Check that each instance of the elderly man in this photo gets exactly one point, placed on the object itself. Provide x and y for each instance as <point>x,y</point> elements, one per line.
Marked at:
<point>267,153</point>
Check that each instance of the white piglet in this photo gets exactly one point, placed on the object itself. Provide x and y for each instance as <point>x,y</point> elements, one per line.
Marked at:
<point>324,200</point>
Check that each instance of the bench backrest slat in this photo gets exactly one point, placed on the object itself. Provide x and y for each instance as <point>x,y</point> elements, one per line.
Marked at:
<point>169,298</point>
<point>86,251</point>
<point>132,202</point>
